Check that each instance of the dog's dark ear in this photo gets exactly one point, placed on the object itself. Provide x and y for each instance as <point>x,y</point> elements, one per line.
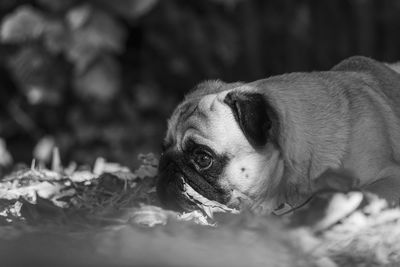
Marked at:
<point>250,111</point>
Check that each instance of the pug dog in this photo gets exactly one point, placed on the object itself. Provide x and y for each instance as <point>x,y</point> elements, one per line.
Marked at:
<point>267,142</point>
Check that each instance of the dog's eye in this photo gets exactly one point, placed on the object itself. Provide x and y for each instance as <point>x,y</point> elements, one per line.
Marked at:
<point>202,159</point>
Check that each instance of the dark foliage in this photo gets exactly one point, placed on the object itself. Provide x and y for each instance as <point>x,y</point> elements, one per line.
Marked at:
<point>100,77</point>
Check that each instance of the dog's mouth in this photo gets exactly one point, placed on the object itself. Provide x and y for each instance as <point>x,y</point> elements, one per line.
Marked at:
<point>183,190</point>
<point>209,207</point>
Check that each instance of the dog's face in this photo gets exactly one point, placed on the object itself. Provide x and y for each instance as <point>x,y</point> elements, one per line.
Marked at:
<point>220,141</point>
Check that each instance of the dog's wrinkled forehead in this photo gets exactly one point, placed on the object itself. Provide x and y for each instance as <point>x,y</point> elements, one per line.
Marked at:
<point>205,118</point>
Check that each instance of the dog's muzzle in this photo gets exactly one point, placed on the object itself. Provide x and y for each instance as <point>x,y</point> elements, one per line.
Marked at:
<point>170,185</point>
<point>174,176</point>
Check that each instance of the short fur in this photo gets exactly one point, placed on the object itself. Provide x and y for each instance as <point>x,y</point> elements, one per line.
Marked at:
<point>346,118</point>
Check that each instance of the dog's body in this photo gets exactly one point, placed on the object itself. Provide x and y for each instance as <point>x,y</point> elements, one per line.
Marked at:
<point>269,140</point>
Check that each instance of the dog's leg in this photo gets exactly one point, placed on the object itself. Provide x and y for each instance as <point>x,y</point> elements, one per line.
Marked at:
<point>388,186</point>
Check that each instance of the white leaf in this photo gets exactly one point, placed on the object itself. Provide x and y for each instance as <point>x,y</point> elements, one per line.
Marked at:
<point>150,216</point>
<point>81,176</point>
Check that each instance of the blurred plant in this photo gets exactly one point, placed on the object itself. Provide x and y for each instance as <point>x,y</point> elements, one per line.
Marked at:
<point>101,76</point>
<point>66,51</point>
<point>85,37</point>
<point>5,157</point>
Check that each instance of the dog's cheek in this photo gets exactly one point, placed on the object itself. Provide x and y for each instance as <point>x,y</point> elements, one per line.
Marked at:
<point>244,174</point>
<point>254,175</point>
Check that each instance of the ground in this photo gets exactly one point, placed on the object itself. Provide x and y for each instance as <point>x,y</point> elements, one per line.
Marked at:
<point>108,215</point>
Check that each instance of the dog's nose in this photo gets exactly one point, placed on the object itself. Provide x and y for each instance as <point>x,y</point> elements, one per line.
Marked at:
<point>163,163</point>
<point>169,189</point>
<point>169,186</point>
<point>166,159</point>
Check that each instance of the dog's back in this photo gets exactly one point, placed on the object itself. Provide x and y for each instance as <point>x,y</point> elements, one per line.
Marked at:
<point>382,86</point>
<point>394,66</point>
<point>348,117</point>
<point>385,77</point>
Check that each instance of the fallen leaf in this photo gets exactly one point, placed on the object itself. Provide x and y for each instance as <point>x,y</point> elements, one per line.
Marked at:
<point>102,166</point>
<point>150,216</point>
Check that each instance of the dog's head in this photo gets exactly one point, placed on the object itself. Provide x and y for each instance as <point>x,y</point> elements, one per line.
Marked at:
<point>222,142</point>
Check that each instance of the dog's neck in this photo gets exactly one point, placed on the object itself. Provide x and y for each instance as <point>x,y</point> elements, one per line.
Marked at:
<point>292,191</point>
<point>284,194</point>
<point>295,195</point>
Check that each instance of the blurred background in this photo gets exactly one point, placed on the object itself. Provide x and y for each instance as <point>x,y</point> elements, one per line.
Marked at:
<point>100,77</point>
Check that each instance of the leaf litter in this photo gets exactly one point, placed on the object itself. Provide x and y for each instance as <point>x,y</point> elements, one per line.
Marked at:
<point>108,215</point>
<point>108,192</point>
